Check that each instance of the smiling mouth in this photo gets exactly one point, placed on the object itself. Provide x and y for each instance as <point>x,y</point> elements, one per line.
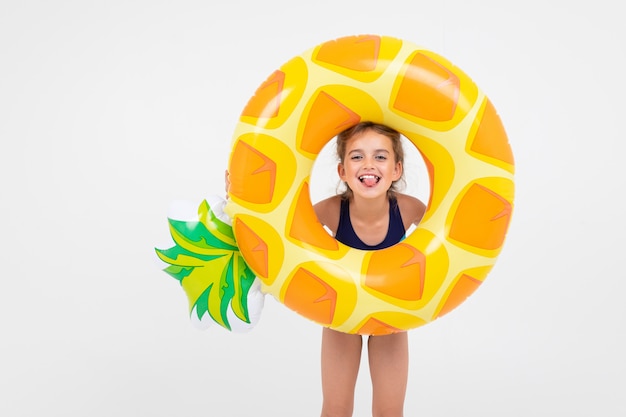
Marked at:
<point>369,179</point>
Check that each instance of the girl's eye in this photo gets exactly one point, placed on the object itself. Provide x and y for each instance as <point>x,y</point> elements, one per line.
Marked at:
<point>356,157</point>
<point>381,157</point>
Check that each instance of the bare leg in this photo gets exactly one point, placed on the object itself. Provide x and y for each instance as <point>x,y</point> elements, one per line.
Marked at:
<point>341,357</point>
<point>389,369</point>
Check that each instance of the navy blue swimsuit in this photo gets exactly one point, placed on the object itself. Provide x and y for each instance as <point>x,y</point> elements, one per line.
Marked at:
<point>346,235</point>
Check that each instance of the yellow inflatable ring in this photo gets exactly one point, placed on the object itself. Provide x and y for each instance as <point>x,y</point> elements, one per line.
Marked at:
<point>300,108</point>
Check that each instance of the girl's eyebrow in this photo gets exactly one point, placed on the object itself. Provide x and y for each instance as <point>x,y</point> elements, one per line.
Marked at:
<point>375,150</point>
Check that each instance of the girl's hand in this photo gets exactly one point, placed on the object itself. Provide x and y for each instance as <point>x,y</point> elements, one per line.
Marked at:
<point>226,182</point>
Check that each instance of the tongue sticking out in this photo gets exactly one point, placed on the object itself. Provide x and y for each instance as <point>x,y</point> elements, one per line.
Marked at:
<point>369,180</point>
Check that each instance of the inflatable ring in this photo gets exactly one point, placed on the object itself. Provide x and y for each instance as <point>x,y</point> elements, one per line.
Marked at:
<point>300,108</point>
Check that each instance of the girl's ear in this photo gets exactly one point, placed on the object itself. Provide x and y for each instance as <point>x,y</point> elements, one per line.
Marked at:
<point>341,171</point>
<point>397,172</point>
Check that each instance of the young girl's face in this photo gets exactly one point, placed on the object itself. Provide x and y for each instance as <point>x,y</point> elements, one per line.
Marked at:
<point>369,166</point>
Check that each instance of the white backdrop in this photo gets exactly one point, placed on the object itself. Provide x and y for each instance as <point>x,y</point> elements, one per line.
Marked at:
<point>110,110</point>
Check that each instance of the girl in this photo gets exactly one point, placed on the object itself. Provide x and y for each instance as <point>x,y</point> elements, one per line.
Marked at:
<point>369,215</point>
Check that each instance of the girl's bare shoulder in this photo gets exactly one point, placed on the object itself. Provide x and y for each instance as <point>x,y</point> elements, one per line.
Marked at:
<point>412,209</point>
<point>327,211</point>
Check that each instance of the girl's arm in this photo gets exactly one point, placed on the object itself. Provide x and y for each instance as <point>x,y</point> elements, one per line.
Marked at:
<point>226,182</point>
<point>327,212</point>
<point>412,209</point>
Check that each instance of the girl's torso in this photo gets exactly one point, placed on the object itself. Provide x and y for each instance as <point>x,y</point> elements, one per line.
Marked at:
<point>345,231</point>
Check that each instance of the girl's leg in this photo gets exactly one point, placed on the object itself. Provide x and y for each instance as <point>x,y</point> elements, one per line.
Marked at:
<point>341,357</point>
<point>389,369</point>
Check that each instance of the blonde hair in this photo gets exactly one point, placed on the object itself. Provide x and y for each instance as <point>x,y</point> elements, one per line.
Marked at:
<point>360,128</point>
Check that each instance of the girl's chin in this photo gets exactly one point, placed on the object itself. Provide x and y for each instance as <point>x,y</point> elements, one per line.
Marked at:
<point>370,192</point>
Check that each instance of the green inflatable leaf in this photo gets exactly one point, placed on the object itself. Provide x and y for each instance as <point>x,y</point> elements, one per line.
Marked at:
<point>208,264</point>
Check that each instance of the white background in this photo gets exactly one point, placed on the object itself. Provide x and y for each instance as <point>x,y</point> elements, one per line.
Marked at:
<point>110,110</point>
